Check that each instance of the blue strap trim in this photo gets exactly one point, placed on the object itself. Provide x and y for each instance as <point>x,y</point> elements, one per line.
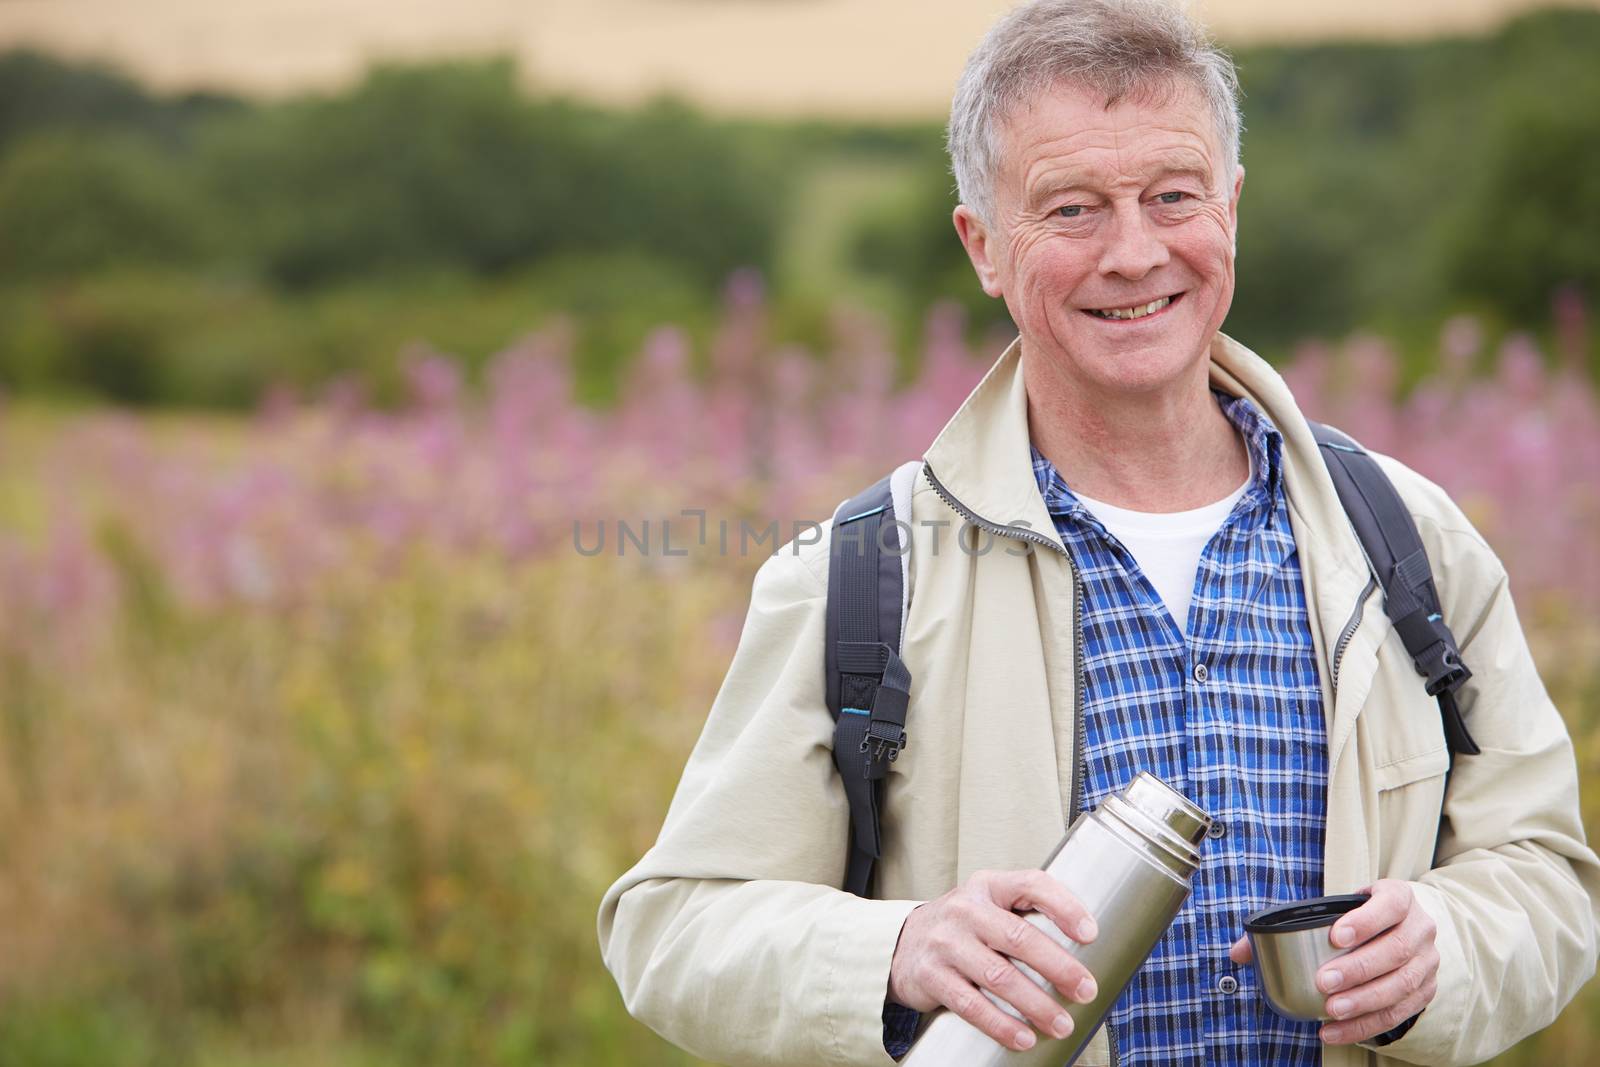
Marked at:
<point>864,514</point>
<point>856,711</point>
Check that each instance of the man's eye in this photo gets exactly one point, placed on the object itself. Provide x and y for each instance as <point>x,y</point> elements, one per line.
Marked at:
<point>1171,198</point>
<point>1070,211</point>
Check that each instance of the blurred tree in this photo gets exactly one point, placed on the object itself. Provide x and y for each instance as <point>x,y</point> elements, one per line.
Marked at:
<point>72,204</point>
<point>415,167</point>
<point>1534,224</point>
<point>913,242</point>
<point>451,165</point>
<point>41,93</point>
<point>1531,221</point>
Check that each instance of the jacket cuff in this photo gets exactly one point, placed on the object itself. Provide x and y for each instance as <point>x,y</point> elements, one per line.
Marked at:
<point>858,979</point>
<point>1434,1031</point>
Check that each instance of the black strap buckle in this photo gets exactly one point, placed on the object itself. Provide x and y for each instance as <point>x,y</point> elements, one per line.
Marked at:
<point>1441,665</point>
<point>1433,651</point>
<point>882,748</point>
<point>886,733</point>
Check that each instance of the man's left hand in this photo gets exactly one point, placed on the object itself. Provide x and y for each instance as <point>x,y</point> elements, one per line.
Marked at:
<point>1392,976</point>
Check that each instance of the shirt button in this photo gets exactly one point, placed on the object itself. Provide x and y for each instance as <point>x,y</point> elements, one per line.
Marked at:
<point>1200,673</point>
<point>1228,984</point>
<point>1216,830</point>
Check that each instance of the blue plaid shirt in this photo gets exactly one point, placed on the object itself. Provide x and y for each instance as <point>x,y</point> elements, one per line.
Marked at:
<point>1230,717</point>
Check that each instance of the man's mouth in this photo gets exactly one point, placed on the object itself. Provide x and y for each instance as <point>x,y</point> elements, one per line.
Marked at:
<point>1138,311</point>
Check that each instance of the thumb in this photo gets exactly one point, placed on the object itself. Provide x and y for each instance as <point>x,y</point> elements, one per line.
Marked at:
<point>1240,952</point>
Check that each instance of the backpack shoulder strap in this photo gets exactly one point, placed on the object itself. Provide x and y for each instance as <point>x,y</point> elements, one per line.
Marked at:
<point>868,686</point>
<point>1394,549</point>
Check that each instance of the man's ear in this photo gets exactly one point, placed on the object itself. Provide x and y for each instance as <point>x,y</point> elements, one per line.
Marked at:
<point>1233,205</point>
<point>980,246</point>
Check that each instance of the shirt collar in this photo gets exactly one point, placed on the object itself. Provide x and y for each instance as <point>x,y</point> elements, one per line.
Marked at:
<point>1262,439</point>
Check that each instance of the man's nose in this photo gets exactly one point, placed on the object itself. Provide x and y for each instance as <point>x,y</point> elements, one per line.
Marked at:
<point>1133,247</point>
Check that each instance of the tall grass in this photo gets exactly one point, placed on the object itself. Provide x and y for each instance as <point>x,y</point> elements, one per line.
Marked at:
<point>319,739</point>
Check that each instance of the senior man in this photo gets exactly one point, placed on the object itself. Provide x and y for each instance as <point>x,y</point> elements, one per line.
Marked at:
<point>1190,600</point>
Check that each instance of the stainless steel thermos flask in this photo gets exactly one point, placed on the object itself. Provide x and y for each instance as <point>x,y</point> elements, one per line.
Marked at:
<point>1129,862</point>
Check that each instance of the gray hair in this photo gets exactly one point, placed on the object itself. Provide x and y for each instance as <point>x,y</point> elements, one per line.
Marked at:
<point>1114,47</point>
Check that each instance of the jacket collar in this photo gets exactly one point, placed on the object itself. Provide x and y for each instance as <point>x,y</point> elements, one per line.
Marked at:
<point>982,459</point>
<point>983,456</point>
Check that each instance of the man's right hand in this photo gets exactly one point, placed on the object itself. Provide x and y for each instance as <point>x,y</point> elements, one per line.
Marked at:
<point>952,947</point>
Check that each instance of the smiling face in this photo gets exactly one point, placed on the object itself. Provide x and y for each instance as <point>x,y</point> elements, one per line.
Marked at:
<point>1112,240</point>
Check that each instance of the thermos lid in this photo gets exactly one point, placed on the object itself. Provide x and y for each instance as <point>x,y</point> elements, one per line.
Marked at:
<point>1167,806</point>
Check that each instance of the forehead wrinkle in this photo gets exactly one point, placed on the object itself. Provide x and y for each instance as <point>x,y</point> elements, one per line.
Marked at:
<point>1071,164</point>
<point>1097,153</point>
<point>1049,174</point>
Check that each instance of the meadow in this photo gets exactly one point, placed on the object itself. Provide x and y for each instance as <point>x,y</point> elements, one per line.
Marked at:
<point>322,732</point>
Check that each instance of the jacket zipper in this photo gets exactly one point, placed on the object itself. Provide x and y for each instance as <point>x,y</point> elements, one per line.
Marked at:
<point>1079,761</point>
<point>1024,534</point>
<point>1349,630</point>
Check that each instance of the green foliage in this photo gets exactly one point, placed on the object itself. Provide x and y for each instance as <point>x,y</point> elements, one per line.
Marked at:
<point>410,169</point>
<point>1533,227</point>
<point>171,337</point>
<point>452,167</point>
<point>194,249</point>
<point>293,242</point>
<point>72,1031</point>
<point>72,204</point>
<point>1530,222</point>
<point>912,241</point>
<point>41,94</point>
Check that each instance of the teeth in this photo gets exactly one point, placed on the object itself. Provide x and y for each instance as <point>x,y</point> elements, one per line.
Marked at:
<point>1138,312</point>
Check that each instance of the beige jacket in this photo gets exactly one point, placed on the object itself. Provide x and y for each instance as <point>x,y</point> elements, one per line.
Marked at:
<point>730,939</point>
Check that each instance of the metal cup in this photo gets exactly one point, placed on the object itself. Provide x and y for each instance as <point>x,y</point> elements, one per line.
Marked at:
<point>1290,944</point>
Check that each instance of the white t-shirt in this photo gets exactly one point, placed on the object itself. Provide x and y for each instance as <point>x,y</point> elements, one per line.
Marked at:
<point>1167,545</point>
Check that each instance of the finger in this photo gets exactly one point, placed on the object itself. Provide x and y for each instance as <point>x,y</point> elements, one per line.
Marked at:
<point>1384,953</point>
<point>1241,953</point>
<point>992,971</point>
<point>1038,891</point>
<point>1366,1027</point>
<point>1396,987</point>
<point>1009,933</point>
<point>963,998</point>
<point>1391,900</point>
